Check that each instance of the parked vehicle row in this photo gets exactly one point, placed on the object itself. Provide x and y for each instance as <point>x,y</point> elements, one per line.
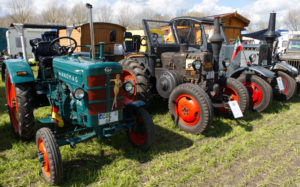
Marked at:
<point>98,98</point>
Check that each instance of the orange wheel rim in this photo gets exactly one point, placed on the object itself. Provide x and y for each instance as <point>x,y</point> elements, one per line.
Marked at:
<point>45,164</point>
<point>231,94</point>
<point>187,110</point>
<point>12,103</point>
<point>137,133</point>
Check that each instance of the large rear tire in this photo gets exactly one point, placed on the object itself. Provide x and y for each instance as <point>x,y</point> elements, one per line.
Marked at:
<point>20,107</point>
<point>232,90</point>
<point>142,134</point>
<point>289,83</point>
<point>260,91</point>
<point>49,156</point>
<point>136,72</point>
<point>190,108</point>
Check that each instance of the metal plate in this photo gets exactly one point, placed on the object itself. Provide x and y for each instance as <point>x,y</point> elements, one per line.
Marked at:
<point>108,117</point>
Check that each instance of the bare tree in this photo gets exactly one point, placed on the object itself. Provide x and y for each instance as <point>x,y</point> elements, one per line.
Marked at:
<point>194,13</point>
<point>20,11</point>
<point>125,17</point>
<point>104,13</point>
<point>79,14</point>
<point>55,14</point>
<point>292,19</point>
<point>5,21</point>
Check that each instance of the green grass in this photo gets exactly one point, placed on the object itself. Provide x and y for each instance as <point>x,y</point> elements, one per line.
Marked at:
<point>260,149</point>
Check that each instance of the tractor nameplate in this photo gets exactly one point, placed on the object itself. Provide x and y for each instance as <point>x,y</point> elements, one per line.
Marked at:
<point>108,117</point>
<point>68,76</point>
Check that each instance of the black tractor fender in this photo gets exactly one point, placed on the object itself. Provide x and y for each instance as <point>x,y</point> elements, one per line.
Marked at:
<point>261,71</point>
<point>283,66</point>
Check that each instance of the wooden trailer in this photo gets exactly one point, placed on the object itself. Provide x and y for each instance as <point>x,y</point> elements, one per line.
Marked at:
<point>111,34</point>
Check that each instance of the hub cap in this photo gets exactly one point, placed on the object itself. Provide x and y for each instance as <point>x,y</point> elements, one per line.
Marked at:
<point>187,110</point>
<point>255,93</point>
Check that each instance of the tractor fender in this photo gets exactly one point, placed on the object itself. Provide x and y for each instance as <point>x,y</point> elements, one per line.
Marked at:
<point>16,65</point>
<point>135,104</point>
<point>255,69</point>
<point>285,67</point>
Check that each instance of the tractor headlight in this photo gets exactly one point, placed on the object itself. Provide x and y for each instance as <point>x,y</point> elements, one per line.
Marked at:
<point>128,87</point>
<point>196,65</point>
<point>78,93</point>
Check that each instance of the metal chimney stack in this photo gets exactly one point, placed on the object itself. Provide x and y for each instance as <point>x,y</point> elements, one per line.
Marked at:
<point>89,6</point>
<point>216,41</point>
<point>270,36</point>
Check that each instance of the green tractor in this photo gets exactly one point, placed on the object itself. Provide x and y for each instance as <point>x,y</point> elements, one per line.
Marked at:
<point>188,79</point>
<point>86,94</point>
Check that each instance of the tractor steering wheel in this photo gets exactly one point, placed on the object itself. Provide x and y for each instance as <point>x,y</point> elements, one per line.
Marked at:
<point>64,49</point>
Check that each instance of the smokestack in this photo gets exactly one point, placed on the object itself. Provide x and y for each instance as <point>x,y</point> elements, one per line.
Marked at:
<point>270,36</point>
<point>89,6</point>
<point>216,42</point>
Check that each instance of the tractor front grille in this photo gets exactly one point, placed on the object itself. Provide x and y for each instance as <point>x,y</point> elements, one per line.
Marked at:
<point>295,63</point>
<point>99,97</point>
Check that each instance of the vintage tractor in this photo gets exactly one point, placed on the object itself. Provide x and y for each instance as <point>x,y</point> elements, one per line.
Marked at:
<point>186,78</point>
<point>86,96</point>
<point>255,78</point>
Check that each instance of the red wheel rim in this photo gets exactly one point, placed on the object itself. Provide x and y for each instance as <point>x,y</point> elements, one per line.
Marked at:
<point>255,93</point>
<point>45,164</point>
<point>127,76</point>
<point>231,94</point>
<point>12,104</point>
<point>285,84</point>
<point>187,110</point>
<point>137,134</point>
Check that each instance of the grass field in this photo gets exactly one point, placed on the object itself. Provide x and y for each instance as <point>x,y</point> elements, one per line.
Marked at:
<point>260,149</point>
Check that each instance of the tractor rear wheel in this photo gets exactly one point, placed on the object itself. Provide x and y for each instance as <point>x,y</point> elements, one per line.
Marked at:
<point>20,107</point>
<point>136,72</point>
<point>190,108</point>
<point>142,134</point>
<point>260,91</point>
<point>289,84</point>
<point>49,156</point>
<point>232,90</point>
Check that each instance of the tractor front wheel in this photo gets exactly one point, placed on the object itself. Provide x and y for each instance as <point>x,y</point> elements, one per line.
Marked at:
<point>233,90</point>
<point>141,134</point>
<point>20,109</point>
<point>49,156</point>
<point>260,91</point>
<point>190,108</point>
<point>289,84</point>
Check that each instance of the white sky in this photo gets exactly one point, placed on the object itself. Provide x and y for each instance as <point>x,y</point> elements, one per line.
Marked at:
<point>254,10</point>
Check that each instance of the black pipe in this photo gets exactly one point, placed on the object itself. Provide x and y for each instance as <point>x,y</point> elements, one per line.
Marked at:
<point>216,42</point>
<point>270,36</point>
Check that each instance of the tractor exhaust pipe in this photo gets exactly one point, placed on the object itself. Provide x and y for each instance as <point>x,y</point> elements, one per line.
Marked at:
<point>89,6</point>
<point>216,42</point>
<point>270,36</point>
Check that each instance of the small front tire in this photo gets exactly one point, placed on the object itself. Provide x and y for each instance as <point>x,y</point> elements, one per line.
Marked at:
<point>141,135</point>
<point>49,156</point>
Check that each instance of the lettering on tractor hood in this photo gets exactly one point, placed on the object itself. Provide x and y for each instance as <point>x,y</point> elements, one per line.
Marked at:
<point>68,76</point>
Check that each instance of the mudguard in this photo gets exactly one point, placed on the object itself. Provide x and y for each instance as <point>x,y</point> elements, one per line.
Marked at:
<point>135,104</point>
<point>286,67</point>
<point>16,65</point>
<point>257,69</point>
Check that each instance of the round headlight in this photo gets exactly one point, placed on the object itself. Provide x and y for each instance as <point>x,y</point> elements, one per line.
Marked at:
<point>197,64</point>
<point>129,87</point>
<point>78,93</point>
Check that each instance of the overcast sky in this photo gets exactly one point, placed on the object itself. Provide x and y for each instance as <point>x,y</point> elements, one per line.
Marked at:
<point>254,10</point>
